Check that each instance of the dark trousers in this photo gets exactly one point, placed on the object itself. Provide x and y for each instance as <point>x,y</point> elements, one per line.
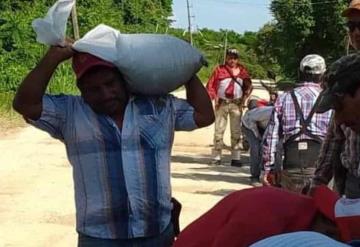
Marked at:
<point>165,239</point>
<point>255,146</point>
<point>352,186</point>
<point>299,165</point>
<point>295,158</point>
<point>255,152</point>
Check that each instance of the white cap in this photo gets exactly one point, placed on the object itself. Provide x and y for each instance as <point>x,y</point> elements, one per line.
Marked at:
<point>313,64</point>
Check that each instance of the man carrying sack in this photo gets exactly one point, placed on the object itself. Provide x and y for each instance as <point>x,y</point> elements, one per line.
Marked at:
<point>118,144</point>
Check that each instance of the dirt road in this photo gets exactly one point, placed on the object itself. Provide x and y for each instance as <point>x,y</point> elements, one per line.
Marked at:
<point>36,189</point>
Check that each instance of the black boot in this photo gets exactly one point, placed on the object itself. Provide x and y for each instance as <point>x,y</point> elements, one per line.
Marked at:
<point>236,163</point>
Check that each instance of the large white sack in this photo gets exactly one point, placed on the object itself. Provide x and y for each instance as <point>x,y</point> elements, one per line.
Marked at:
<point>151,64</point>
<point>51,29</point>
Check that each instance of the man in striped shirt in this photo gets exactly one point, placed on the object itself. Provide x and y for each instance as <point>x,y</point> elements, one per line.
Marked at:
<point>119,146</point>
<point>302,131</point>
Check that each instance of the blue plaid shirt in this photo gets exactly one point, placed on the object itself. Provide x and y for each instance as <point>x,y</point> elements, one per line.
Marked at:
<point>121,177</point>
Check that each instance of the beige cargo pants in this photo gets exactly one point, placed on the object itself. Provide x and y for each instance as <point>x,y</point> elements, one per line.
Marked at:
<point>233,109</point>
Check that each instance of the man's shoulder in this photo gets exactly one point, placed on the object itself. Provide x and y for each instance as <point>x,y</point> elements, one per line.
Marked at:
<point>64,96</point>
<point>147,104</point>
<point>65,100</point>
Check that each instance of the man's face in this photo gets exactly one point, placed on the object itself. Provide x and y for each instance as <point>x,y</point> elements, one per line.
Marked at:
<point>104,90</point>
<point>354,32</point>
<point>231,60</point>
<point>346,111</point>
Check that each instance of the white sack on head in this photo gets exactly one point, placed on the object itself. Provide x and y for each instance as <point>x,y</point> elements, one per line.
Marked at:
<point>152,64</point>
<point>101,42</point>
<point>51,29</point>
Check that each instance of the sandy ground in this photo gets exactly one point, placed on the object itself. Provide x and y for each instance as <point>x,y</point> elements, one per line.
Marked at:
<point>36,189</point>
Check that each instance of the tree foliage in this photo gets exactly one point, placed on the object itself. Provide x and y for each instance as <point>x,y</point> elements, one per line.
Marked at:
<point>19,51</point>
<point>301,28</point>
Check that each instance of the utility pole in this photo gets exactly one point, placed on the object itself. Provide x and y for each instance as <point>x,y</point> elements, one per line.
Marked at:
<point>75,23</point>
<point>225,45</point>
<point>189,20</point>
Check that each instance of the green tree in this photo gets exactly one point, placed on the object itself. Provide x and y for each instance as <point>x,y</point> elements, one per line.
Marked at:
<point>301,28</point>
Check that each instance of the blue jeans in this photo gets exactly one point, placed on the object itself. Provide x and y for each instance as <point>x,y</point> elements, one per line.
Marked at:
<point>165,239</point>
<point>255,152</point>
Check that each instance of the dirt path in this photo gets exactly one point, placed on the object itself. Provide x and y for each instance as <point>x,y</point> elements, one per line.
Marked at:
<point>36,189</point>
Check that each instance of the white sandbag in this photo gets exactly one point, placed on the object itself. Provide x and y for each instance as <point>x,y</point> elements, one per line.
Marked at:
<point>151,64</point>
<point>51,29</point>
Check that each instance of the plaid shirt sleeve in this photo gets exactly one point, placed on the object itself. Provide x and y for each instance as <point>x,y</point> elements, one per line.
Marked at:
<point>272,136</point>
<point>329,158</point>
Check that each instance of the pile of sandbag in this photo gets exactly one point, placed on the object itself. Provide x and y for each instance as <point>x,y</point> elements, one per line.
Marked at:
<point>151,64</point>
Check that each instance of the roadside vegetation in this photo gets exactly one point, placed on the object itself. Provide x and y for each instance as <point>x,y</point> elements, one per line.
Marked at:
<point>298,28</point>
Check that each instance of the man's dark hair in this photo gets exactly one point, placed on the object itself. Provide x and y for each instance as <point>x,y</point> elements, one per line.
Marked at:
<point>252,104</point>
<point>343,76</point>
<point>350,82</point>
<point>307,77</point>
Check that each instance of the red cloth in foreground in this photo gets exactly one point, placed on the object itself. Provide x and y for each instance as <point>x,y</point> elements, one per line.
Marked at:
<point>247,216</point>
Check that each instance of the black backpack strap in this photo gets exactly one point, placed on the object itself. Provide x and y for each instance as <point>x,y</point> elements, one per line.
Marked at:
<point>303,123</point>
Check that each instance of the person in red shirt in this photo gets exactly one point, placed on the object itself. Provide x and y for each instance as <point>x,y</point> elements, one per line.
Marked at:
<point>247,216</point>
<point>229,86</point>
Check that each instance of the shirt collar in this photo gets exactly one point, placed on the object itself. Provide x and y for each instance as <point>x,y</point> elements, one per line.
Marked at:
<point>308,84</point>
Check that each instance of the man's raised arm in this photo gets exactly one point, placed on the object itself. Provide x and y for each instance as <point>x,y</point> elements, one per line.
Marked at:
<point>198,97</point>
<point>28,98</point>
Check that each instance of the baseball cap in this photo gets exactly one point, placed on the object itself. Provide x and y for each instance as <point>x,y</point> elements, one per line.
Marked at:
<point>83,62</point>
<point>232,51</point>
<point>313,64</point>
<point>338,79</point>
<point>353,6</point>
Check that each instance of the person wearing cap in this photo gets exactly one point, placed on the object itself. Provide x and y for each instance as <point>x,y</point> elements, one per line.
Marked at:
<point>301,130</point>
<point>229,86</point>
<point>330,163</point>
<point>340,154</point>
<point>118,144</point>
<point>254,123</point>
<point>352,15</point>
<point>249,215</point>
